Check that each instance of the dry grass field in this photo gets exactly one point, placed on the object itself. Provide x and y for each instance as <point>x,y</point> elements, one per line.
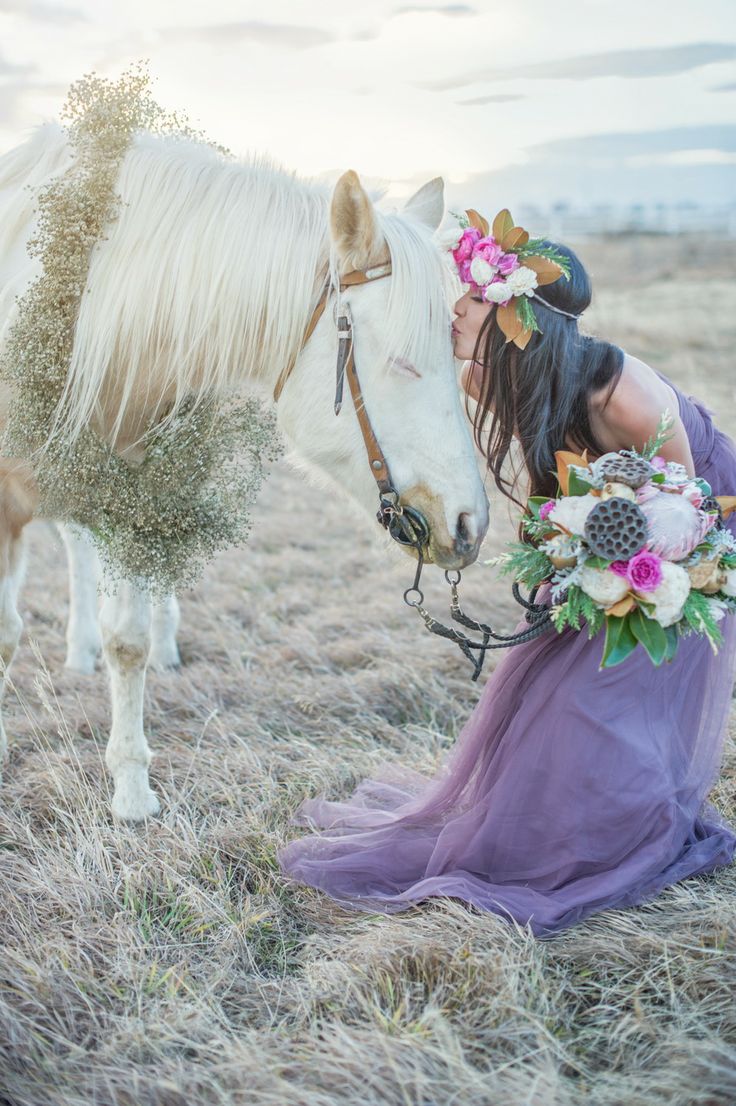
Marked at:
<point>171,965</point>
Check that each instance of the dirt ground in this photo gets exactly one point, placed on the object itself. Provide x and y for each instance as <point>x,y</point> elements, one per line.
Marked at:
<point>169,964</point>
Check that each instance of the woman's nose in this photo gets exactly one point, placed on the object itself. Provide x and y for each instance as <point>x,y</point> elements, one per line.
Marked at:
<point>459,307</point>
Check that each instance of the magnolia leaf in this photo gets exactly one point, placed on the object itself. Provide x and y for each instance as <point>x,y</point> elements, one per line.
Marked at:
<point>502,224</point>
<point>673,638</point>
<point>727,503</point>
<point>620,642</point>
<point>577,485</point>
<point>623,607</point>
<point>563,459</point>
<point>651,635</point>
<point>477,220</point>
<point>547,271</point>
<point>508,320</point>
<point>522,338</point>
<point>515,239</point>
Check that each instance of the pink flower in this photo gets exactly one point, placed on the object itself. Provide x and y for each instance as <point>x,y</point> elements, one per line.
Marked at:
<point>547,508</point>
<point>464,248</point>
<point>693,494</point>
<point>621,568</point>
<point>645,571</point>
<point>489,250</point>
<point>463,269</point>
<point>658,463</point>
<point>507,263</point>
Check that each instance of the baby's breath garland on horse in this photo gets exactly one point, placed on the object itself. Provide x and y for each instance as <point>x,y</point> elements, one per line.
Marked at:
<point>174,288</point>
<point>160,515</point>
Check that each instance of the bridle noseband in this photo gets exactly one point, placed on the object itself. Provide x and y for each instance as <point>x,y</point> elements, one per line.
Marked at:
<point>407,525</point>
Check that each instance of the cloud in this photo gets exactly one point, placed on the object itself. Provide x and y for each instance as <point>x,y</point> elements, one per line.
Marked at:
<point>284,35</point>
<point>44,13</point>
<point>636,144</point>
<point>444,9</point>
<point>14,109</point>
<point>615,63</point>
<point>498,98</point>
<point>725,87</point>
<point>9,69</point>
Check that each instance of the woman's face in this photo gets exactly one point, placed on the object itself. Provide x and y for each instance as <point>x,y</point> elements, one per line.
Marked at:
<point>470,312</point>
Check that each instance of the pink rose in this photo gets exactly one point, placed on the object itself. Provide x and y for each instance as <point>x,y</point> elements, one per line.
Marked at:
<point>645,571</point>
<point>621,568</point>
<point>488,249</point>
<point>463,269</point>
<point>507,263</point>
<point>464,248</point>
<point>546,509</point>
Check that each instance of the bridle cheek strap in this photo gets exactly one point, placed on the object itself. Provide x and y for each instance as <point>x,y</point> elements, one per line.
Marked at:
<point>346,367</point>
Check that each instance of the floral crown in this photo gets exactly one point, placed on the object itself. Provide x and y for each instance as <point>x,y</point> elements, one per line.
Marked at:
<point>506,267</point>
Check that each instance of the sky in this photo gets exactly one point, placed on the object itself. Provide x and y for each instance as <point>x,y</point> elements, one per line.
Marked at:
<point>537,101</point>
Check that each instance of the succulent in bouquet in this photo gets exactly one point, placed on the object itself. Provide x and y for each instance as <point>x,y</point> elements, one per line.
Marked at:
<point>632,547</point>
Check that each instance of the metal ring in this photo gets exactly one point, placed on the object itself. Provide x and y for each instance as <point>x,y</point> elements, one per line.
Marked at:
<point>452,583</point>
<point>414,602</point>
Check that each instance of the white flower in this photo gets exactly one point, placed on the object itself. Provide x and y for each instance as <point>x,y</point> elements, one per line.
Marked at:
<point>729,588</point>
<point>669,598</point>
<point>603,586</point>
<point>620,491</point>
<point>522,281</point>
<point>499,292</point>
<point>572,511</point>
<point>481,271</point>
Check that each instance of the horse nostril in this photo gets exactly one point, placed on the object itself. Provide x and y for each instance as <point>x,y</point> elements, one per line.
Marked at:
<point>466,534</point>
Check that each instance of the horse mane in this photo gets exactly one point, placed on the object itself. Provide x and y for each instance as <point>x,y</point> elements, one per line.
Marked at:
<point>209,276</point>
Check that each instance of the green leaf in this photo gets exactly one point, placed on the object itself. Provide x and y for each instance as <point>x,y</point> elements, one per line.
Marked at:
<point>576,484</point>
<point>597,562</point>
<point>673,639</point>
<point>650,634</point>
<point>620,641</point>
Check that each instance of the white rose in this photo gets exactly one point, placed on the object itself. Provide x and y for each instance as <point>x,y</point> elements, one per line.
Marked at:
<point>481,271</point>
<point>522,281</point>
<point>729,588</point>
<point>499,292</point>
<point>669,598</point>
<point>572,511</point>
<point>603,586</point>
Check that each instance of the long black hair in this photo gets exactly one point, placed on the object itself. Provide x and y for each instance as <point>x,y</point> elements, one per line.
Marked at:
<point>541,394</point>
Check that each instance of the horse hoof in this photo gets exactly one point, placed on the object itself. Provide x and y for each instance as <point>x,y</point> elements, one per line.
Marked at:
<point>133,800</point>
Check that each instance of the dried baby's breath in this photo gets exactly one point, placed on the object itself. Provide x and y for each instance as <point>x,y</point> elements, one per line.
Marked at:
<point>161,520</point>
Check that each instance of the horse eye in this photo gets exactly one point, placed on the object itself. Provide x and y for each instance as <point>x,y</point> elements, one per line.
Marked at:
<point>404,368</point>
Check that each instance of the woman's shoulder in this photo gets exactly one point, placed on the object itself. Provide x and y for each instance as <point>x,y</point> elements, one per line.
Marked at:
<point>636,401</point>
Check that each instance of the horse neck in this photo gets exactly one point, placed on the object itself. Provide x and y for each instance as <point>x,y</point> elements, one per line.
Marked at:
<point>207,280</point>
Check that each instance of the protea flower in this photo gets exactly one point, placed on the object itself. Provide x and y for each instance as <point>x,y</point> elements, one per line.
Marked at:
<point>675,525</point>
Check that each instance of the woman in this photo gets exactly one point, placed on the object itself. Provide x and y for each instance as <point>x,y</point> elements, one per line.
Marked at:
<point>571,789</point>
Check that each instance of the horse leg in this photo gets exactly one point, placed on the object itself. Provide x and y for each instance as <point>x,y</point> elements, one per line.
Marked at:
<point>11,624</point>
<point>83,640</point>
<point>125,619</point>
<point>164,650</point>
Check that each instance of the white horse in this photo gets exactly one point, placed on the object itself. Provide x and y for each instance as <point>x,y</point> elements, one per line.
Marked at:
<point>207,281</point>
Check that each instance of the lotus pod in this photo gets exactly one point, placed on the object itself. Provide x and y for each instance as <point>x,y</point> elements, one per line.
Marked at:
<point>616,529</point>
<point>633,471</point>
<point>675,525</point>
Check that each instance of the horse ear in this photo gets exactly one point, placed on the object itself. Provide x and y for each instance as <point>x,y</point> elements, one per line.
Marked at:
<point>428,204</point>
<point>354,226</point>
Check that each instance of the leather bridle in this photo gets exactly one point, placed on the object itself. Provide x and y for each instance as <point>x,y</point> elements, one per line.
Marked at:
<point>405,524</point>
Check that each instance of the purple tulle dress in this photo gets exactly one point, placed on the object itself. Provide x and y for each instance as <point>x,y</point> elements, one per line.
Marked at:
<point>569,791</point>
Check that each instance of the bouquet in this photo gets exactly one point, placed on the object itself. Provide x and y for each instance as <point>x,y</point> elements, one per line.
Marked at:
<point>634,546</point>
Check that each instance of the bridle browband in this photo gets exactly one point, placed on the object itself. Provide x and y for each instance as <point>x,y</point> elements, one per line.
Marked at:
<point>407,525</point>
